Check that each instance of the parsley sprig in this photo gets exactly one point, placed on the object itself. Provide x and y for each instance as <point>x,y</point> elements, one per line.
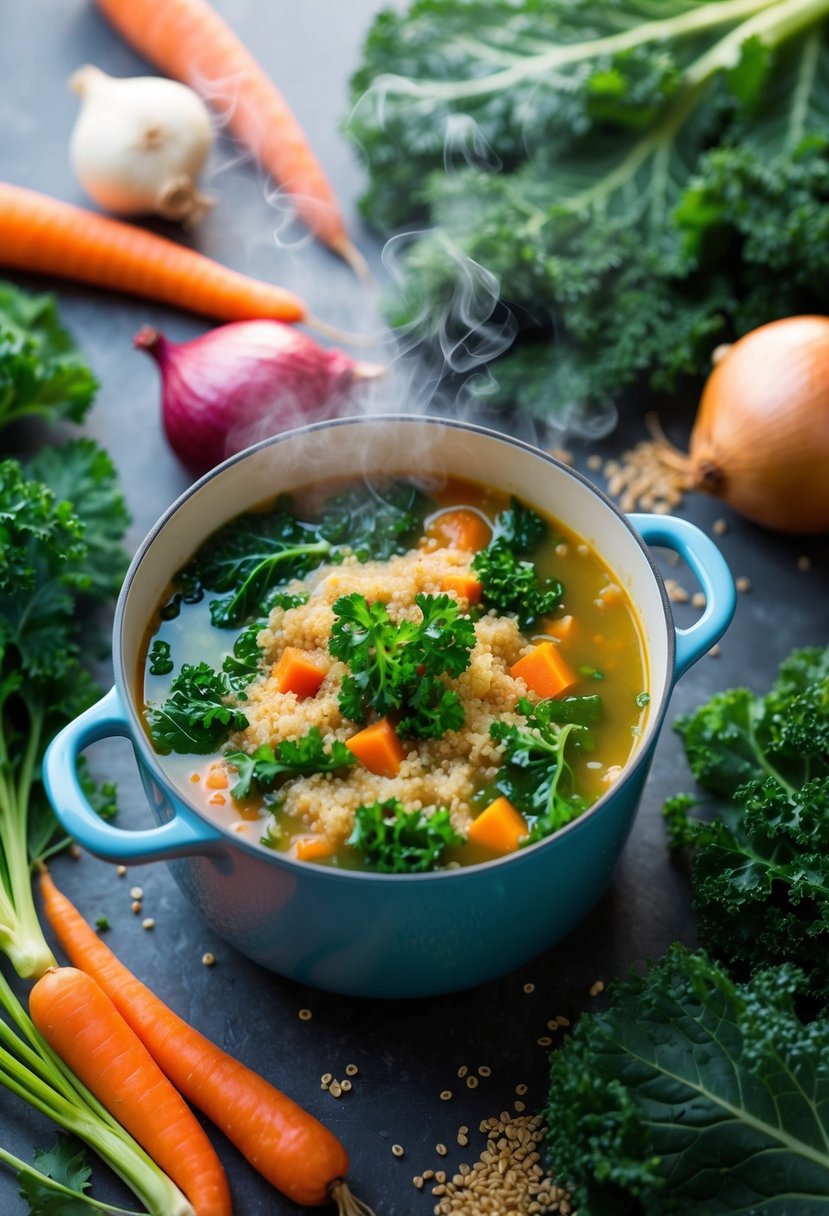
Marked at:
<point>394,840</point>
<point>396,668</point>
<point>268,767</point>
<point>196,718</point>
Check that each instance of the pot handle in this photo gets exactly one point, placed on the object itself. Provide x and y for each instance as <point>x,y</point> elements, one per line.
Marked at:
<point>710,569</point>
<point>180,836</point>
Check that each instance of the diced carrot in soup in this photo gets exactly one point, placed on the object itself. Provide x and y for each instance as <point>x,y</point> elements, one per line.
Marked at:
<point>499,827</point>
<point>378,748</point>
<point>561,627</point>
<point>459,528</point>
<point>545,671</point>
<point>464,586</point>
<point>313,848</point>
<point>298,674</point>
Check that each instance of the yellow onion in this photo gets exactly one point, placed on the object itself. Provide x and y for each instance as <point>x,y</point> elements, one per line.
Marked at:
<point>760,440</point>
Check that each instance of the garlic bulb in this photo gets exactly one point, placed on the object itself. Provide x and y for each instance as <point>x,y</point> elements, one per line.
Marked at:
<point>139,144</point>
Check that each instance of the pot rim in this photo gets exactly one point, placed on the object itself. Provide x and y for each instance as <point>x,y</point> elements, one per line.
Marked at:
<point>150,759</point>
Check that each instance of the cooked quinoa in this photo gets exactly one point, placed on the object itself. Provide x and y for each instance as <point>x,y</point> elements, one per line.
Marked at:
<point>436,772</point>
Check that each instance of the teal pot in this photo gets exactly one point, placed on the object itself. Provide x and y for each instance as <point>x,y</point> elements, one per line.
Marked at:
<point>370,934</point>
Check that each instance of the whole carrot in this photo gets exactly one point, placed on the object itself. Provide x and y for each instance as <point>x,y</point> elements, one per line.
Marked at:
<point>188,40</point>
<point>80,1023</point>
<point>45,236</point>
<point>288,1146</point>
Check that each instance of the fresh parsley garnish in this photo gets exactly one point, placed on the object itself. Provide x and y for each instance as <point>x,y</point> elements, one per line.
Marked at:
<point>268,767</point>
<point>510,580</point>
<point>535,774</point>
<point>396,841</point>
<point>196,717</point>
<point>396,668</point>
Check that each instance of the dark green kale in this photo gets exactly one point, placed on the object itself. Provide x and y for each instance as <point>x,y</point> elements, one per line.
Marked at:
<point>268,767</point>
<point>760,867</point>
<point>624,185</point>
<point>41,371</point>
<point>196,718</point>
<point>510,580</point>
<point>60,558</point>
<point>396,841</point>
<point>247,559</point>
<point>693,1093</point>
<point>243,664</point>
<point>159,659</point>
<point>535,774</point>
<point>375,520</point>
<point>396,668</point>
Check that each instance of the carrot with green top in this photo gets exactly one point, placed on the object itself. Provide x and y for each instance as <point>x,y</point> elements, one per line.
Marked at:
<point>286,1144</point>
<point>188,40</point>
<point>79,1022</point>
<point>43,235</point>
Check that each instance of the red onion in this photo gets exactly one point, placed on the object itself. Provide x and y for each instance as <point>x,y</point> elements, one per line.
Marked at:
<point>243,382</point>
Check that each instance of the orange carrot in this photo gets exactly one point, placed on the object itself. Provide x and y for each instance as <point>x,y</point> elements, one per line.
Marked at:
<point>42,235</point>
<point>313,848</point>
<point>378,748</point>
<point>465,585</point>
<point>560,627</point>
<point>296,673</point>
<point>80,1022</point>
<point>499,827</point>
<point>459,528</point>
<point>188,40</point>
<point>289,1147</point>
<point>545,671</point>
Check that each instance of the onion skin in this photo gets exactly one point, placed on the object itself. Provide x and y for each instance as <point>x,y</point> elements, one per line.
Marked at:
<point>245,381</point>
<point>760,440</point>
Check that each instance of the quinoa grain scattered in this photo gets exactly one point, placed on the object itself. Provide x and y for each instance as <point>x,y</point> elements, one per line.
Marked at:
<point>351,1070</point>
<point>471,1082</point>
<point>346,1086</point>
<point>528,988</point>
<point>742,583</point>
<point>397,1150</point>
<point>441,1150</point>
<point>305,1015</point>
<point>137,892</point>
<point>484,1070</point>
<point>804,563</point>
<point>121,871</point>
<point>208,959</point>
<point>445,1095</point>
<point>596,988</point>
<point>136,906</point>
<point>720,527</point>
<point>148,923</point>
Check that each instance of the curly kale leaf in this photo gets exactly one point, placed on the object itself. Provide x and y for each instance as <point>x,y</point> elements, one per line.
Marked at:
<point>269,767</point>
<point>41,371</point>
<point>248,560</point>
<point>197,716</point>
<point>396,841</point>
<point>760,874</point>
<point>510,580</point>
<point>375,520</point>
<point>535,774</point>
<point>761,879</point>
<point>396,668</point>
<point>693,1093</point>
<point>243,664</point>
<point>739,735</point>
<point>630,185</point>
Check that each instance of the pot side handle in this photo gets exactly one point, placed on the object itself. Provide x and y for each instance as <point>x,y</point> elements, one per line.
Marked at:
<point>180,836</point>
<point>711,571</point>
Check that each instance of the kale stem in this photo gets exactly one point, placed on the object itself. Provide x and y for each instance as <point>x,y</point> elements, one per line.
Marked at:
<point>695,21</point>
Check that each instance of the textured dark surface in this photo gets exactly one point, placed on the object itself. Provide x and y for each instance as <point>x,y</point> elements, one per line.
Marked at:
<point>408,1052</point>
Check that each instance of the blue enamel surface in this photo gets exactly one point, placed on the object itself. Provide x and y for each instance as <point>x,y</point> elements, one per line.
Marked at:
<point>711,570</point>
<point>182,834</point>
<point>378,935</point>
